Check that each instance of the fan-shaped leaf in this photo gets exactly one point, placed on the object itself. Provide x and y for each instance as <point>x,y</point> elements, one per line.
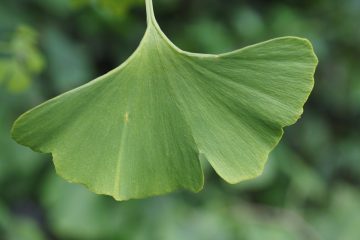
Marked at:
<point>138,130</point>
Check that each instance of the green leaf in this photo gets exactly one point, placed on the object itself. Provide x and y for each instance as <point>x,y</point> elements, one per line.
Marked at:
<point>22,60</point>
<point>14,227</point>
<point>138,130</point>
<point>108,7</point>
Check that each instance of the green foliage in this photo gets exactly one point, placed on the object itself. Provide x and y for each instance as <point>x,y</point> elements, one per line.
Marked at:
<point>20,60</point>
<point>107,7</point>
<point>310,186</point>
<point>138,130</point>
<point>18,227</point>
<point>68,62</point>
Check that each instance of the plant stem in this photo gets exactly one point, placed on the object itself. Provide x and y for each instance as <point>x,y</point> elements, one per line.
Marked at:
<point>150,11</point>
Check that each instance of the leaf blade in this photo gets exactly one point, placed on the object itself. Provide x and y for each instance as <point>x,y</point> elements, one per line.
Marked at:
<point>138,130</point>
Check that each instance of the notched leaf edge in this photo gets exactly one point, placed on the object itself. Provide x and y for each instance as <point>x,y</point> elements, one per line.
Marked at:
<point>152,24</point>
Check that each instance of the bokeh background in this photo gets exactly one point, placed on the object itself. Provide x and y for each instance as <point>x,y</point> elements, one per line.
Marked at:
<point>310,187</point>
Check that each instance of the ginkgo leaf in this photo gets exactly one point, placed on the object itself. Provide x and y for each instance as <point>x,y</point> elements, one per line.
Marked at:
<point>138,130</point>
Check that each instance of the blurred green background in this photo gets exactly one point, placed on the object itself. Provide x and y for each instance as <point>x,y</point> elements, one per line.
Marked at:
<point>310,188</point>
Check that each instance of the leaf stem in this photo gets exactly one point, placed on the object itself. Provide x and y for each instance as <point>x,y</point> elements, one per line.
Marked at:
<point>150,11</point>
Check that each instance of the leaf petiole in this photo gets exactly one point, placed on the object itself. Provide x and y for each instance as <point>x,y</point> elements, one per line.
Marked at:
<point>149,11</point>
